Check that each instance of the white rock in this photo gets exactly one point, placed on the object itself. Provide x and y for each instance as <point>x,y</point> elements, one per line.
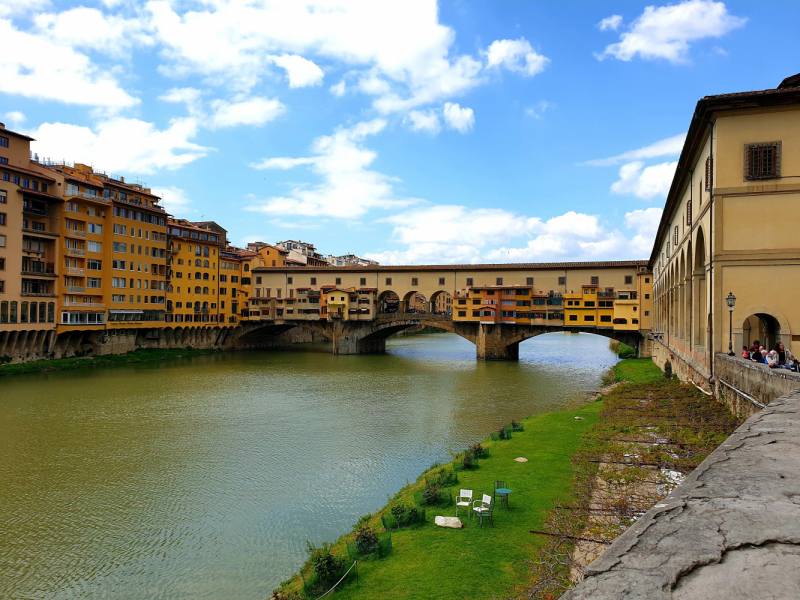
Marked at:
<point>453,522</point>
<point>520,459</point>
<point>580,418</point>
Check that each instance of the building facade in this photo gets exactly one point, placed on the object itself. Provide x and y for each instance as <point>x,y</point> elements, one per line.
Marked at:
<point>729,227</point>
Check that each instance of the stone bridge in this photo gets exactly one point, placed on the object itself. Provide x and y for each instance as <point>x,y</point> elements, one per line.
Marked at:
<point>492,341</point>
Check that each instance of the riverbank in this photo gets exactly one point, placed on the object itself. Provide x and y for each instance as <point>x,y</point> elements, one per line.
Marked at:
<point>432,562</point>
<point>109,360</point>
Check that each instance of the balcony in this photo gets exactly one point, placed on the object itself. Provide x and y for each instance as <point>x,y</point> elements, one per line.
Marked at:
<point>84,304</point>
<point>33,210</point>
<point>76,251</point>
<point>39,232</point>
<point>75,271</point>
<point>76,289</point>
<point>606,295</point>
<point>38,274</point>
<point>76,233</point>
<point>89,197</point>
<point>38,294</point>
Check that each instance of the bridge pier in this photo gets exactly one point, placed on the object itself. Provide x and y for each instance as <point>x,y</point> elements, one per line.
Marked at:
<point>494,342</point>
<point>353,345</point>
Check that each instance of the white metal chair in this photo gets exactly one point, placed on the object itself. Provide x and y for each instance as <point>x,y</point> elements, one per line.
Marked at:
<point>484,505</point>
<point>464,499</point>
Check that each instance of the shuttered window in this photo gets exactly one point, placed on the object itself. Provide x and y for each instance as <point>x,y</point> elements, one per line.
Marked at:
<point>708,174</point>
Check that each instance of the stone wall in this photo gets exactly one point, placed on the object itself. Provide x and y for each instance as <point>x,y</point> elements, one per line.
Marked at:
<point>730,530</point>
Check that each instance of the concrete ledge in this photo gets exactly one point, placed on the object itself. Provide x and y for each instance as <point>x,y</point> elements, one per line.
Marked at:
<point>730,530</point>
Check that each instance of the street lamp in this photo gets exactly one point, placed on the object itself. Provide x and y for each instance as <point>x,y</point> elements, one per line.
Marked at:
<point>731,300</point>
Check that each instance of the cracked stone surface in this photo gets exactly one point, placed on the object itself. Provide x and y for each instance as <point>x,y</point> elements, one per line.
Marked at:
<point>730,530</point>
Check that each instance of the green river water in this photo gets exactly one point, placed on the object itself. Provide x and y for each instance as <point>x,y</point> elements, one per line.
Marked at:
<point>204,477</point>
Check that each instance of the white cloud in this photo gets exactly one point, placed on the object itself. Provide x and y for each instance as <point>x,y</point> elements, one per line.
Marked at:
<point>458,118</point>
<point>373,85</point>
<point>174,200</point>
<point>517,56</point>
<point>645,222</point>
<point>122,145</point>
<point>348,188</point>
<point>15,118</point>
<point>537,111</point>
<point>253,111</point>
<point>110,34</point>
<point>667,147</point>
<point>665,32</point>
<point>16,8</point>
<point>427,121</point>
<point>613,22</point>
<point>338,89</point>
<point>452,234</point>
<point>300,71</point>
<point>33,66</point>
<point>188,95</point>
<point>647,183</point>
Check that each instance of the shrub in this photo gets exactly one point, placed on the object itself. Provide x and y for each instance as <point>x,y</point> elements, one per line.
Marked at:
<point>501,433</point>
<point>430,495</point>
<point>667,370</point>
<point>362,521</point>
<point>466,462</point>
<point>324,562</point>
<point>478,451</point>
<point>517,426</point>
<point>407,515</point>
<point>366,541</point>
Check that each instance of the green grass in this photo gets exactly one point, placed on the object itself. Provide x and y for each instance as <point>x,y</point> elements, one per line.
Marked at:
<point>635,370</point>
<point>110,360</point>
<point>429,562</point>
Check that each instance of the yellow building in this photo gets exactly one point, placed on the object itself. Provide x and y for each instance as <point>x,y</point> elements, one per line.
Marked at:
<point>193,291</point>
<point>730,226</point>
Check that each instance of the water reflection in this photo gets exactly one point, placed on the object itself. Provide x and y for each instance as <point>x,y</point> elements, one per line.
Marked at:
<point>204,477</point>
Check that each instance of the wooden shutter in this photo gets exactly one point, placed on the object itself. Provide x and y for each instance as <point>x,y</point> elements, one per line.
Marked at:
<point>708,173</point>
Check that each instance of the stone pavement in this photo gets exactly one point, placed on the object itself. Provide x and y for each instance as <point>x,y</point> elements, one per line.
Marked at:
<point>730,530</point>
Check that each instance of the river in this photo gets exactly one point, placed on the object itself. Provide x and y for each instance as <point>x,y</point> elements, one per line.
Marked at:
<point>204,477</point>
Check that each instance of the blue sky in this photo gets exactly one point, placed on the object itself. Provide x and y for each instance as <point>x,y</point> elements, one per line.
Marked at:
<point>409,132</point>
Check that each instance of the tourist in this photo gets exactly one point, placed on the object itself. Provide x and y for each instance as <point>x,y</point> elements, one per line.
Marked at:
<point>755,350</point>
<point>758,356</point>
<point>745,353</point>
<point>785,358</point>
<point>771,359</point>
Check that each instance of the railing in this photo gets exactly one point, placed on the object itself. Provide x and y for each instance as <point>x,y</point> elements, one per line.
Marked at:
<point>89,197</point>
<point>76,251</point>
<point>79,233</point>
<point>76,289</point>
<point>85,304</point>
<point>159,237</point>
<point>39,232</point>
<point>38,274</point>
<point>31,210</point>
<point>38,294</point>
<point>75,271</point>
<point>606,295</point>
<point>201,310</point>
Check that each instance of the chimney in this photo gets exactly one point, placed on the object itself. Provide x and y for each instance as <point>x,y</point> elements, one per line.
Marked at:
<point>2,125</point>
<point>122,180</point>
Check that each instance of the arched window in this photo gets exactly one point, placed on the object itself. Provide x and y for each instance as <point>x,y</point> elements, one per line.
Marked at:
<point>197,276</point>
<point>198,263</point>
<point>4,311</point>
<point>246,267</point>
<point>205,251</point>
<point>197,305</point>
<point>205,276</point>
<point>34,311</point>
<point>51,311</point>
<point>205,305</point>
<point>169,289</point>
<point>23,313</point>
<point>43,312</point>
<point>169,304</point>
<point>197,290</point>
<point>12,317</point>
<point>205,290</point>
<point>205,264</point>
<point>171,274</point>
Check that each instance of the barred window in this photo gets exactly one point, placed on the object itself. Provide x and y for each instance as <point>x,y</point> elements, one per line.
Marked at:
<point>689,213</point>
<point>762,161</point>
<point>562,281</point>
<point>469,281</point>
<point>595,281</point>
<point>529,281</point>
<point>676,236</point>
<point>499,281</point>
<point>708,174</point>
<point>414,281</point>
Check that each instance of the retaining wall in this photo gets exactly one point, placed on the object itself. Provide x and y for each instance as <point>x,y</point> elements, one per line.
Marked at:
<point>730,530</point>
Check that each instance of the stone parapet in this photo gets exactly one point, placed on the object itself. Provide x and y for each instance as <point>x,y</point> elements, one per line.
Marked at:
<point>730,530</point>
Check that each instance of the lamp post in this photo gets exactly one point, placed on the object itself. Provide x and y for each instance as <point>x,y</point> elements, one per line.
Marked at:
<point>731,300</point>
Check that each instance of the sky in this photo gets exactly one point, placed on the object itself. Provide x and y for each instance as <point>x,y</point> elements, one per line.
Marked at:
<point>409,132</point>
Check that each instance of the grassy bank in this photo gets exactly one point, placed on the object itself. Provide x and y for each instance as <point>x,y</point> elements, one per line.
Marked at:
<point>431,562</point>
<point>111,360</point>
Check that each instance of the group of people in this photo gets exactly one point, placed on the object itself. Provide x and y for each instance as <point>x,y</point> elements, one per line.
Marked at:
<point>777,358</point>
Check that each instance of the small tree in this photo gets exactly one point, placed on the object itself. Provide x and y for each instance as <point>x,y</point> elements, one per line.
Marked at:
<point>324,562</point>
<point>366,540</point>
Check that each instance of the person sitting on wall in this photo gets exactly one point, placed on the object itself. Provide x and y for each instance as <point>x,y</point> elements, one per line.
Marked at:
<point>745,353</point>
<point>758,355</point>
<point>755,351</point>
<point>783,356</point>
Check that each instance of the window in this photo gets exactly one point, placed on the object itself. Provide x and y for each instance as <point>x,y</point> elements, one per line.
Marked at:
<point>605,318</point>
<point>573,317</point>
<point>94,228</point>
<point>441,280</point>
<point>462,313</point>
<point>388,279</point>
<point>289,280</point>
<point>762,161</point>
<point>647,313</point>
<point>588,318</point>
<point>94,246</point>
<point>2,241</point>
<point>363,281</point>
<point>72,189</point>
<point>676,236</point>
<point>628,279</point>
<point>499,281</point>
<point>94,264</point>
<point>3,219</point>
<point>94,282</point>
<point>595,281</point>
<point>647,296</point>
<point>3,198</point>
<point>562,281</point>
<point>121,229</point>
<point>647,280</point>
<point>529,281</point>
<point>708,174</point>
<point>3,141</point>
<point>414,281</point>
<point>470,282</point>
<point>118,282</point>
